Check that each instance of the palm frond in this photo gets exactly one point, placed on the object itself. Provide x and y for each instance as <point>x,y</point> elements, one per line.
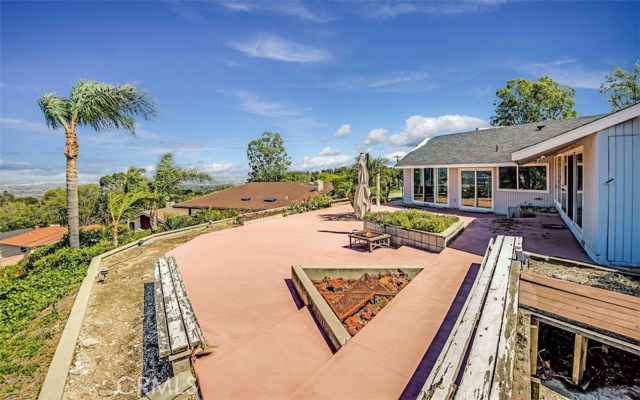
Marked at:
<point>102,106</point>
<point>55,109</point>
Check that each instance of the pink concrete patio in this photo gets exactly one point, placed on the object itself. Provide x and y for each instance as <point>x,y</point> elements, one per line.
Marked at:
<point>267,348</point>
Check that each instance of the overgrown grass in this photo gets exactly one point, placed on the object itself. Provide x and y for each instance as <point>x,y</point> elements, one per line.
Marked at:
<point>414,219</point>
<point>28,294</point>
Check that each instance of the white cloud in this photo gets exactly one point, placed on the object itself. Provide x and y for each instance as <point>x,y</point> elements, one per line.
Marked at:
<point>397,80</point>
<point>311,163</point>
<point>276,48</point>
<point>392,156</point>
<point>568,71</point>
<point>328,151</point>
<point>417,128</point>
<point>219,167</point>
<point>254,104</point>
<point>295,9</point>
<point>343,131</point>
<point>394,9</point>
<point>376,136</point>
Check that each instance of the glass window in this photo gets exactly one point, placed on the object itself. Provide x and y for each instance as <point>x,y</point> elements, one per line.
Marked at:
<point>442,186</point>
<point>418,184</point>
<point>532,178</point>
<point>508,177</point>
<point>429,185</point>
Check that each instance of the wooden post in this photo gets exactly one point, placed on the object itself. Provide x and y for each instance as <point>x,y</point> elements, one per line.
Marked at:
<point>533,348</point>
<point>579,358</point>
<point>378,189</point>
<point>535,389</point>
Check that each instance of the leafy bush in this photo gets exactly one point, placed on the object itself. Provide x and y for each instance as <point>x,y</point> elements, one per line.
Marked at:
<point>314,203</point>
<point>413,219</point>
<point>175,221</point>
<point>204,216</point>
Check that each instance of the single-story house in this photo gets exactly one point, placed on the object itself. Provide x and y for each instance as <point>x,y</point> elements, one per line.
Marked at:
<point>256,196</point>
<point>587,167</point>
<point>25,242</point>
<point>143,220</point>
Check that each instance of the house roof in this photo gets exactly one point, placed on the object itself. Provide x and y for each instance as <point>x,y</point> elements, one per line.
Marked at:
<point>37,237</point>
<point>489,146</point>
<point>163,212</point>
<point>41,236</point>
<point>257,196</point>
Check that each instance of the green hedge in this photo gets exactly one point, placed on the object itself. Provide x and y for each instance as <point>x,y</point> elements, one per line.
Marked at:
<point>314,203</point>
<point>414,219</point>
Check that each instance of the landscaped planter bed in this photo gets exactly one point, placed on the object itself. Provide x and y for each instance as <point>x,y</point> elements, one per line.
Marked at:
<point>430,241</point>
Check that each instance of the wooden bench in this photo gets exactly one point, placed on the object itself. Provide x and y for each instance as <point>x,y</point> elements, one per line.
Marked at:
<point>488,320</point>
<point>178,331</point>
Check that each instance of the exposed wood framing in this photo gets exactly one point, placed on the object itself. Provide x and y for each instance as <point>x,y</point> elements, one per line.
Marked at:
<point>533,347</point>
<point>579,358</point>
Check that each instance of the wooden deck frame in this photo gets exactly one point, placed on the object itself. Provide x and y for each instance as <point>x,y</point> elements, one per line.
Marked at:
<point>489,318</point>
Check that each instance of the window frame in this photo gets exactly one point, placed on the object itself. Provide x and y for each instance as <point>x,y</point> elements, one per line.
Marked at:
<point>546,165</point>
<point>436,187</point>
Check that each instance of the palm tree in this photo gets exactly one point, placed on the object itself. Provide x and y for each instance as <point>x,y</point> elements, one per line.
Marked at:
<point>118,203</point>
<point>100,106</point>
<point>167,178</point>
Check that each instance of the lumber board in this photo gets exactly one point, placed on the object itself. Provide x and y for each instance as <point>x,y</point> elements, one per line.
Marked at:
<point>591,334</point>
<point>501,387</point>
<point>608,310</point>
<point>579,358</point>
<point>439,384</point>
<point>479,370</point>
<point>161,319</point>
<point>194,334</point>
<point>522,377</point>
<point>177,334</point>
<point>609,296</point>
<point>576,314</point>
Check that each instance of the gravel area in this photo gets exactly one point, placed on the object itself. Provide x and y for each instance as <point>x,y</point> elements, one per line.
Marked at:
<point>603,279</point>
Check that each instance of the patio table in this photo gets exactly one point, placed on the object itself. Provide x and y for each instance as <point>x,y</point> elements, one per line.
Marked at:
<point>369,240</point>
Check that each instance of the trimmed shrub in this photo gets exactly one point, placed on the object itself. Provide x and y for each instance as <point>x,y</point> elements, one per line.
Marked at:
<point>413,219</point>
<point>314,203</point>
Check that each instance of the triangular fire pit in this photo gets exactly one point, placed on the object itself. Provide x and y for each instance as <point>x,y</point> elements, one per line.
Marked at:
<point>345,298</point>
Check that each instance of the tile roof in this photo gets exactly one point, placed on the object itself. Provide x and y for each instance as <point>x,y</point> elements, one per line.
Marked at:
<point>37,237</point>
<point>489,146</point>
<point>257,192</point>
<point>41,236</point>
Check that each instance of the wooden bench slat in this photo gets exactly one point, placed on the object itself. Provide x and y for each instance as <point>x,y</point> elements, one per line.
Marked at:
<point>194,334</point>
<point>161,319</point>
<point>177,334</point>
<point>440,382</point>
<point>478,373</point>
<point>502,383</point>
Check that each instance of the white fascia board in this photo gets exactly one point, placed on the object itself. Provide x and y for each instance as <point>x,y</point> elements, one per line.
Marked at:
<point>576,134</point>
<point>509,164</point>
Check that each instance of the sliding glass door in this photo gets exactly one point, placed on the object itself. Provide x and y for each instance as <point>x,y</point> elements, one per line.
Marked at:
<point>476,188</point>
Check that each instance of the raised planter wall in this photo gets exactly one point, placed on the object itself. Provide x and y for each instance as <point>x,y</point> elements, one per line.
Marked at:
<point>434,242</point>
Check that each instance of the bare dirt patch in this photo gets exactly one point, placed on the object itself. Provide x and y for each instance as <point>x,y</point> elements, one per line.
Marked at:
<point>603,279</point>
<point>108,357</point>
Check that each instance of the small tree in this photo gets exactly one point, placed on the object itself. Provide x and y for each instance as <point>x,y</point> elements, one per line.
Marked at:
<point>523,101</point>
<point>622,87</point>
<point>268,158</point>
<point>118,203</point>
<point>168,178</point>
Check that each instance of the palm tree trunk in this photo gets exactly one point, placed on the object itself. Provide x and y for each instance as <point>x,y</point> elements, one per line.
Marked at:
<point>71,152</point>
<point>115,240</point>
<point>154,216</point>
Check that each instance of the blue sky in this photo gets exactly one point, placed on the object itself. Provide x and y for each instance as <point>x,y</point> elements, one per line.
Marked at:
<point>334,78</point>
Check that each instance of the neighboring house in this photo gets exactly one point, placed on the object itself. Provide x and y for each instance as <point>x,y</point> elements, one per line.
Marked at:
<point>25,242</point>
<point>588,168</point>
<point>9,234</point>
<point>143,220</point>
<point>256,196</point>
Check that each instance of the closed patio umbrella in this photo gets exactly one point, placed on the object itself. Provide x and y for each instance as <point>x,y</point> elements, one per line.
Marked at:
<point>361,201</point>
